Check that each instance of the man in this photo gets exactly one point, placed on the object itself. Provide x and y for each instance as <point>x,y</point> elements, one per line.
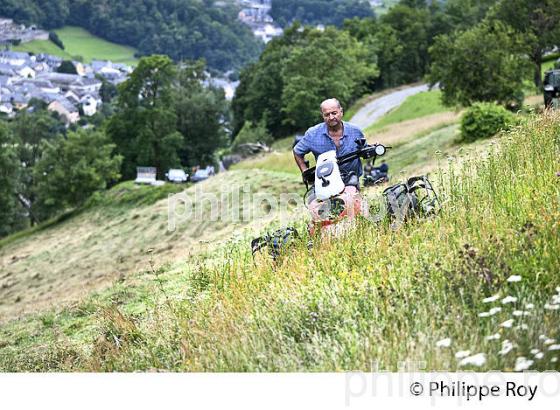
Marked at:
<point>332,134</point>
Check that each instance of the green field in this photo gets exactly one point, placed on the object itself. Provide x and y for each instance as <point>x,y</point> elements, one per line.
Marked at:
<point>80,44</point>
<point>415,106</point>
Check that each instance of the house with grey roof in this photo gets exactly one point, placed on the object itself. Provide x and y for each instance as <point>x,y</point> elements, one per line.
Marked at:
<point>65,109</point>
<point>6,69</point>
<point>15,58</point>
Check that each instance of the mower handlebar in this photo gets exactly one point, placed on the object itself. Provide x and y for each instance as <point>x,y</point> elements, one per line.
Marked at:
<point>364,151</point>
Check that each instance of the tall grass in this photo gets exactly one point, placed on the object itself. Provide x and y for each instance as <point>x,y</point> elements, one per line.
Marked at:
<point>377,295</point>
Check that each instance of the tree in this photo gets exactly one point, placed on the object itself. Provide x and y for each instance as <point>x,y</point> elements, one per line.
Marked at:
<point>538,22</point>
<point>295,73</point>
<point>144,128</point>
<point>11,213</point>
<point>73,168</point>
<point>329,64</point>
<point>327,12</point>
<point>67,67</point>
<point>202,115</point>
<point>31,130</point>
<point>56,40</point>
<point>484,63</point>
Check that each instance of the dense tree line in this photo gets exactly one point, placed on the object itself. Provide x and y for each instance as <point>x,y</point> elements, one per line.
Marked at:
<point>182,29</point>
<point>477,50</point>
<point>295,73</point>
<point>326,12</point>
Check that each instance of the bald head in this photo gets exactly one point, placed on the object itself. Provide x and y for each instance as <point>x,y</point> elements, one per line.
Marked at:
<point>330,102</point>
<point>331,110</point>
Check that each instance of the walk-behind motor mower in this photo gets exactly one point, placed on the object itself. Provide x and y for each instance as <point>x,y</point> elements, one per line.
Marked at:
<point>334,200</point>
<point>551,85</point>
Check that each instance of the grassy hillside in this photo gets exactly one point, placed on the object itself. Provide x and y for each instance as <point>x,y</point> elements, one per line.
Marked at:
<point>79,42</point>
<point>377,295</point>
<point>110,238</point>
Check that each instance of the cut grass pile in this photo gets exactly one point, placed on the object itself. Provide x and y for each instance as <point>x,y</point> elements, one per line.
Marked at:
<point>483,274</point>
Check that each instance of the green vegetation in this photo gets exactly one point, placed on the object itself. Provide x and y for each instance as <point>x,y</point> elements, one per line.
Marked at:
<point>377,294</point>
<point>496,75</point>
<point>79,42</point>
<point>82,45</point>
<point>313,12</point>
<point>415,106</point>
<point>295,73</point>
<point>182,29</point>
<point>482,120</point>
<point>166,117</point>
<point>42,46</point>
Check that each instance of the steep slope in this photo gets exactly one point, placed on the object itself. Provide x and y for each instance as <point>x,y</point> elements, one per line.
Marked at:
<point>112,238</point>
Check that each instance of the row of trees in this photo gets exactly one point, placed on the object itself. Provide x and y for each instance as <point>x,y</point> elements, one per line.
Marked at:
<point>295,73</point>
<point>163,115</point>
<point>477,50</point>
<point>182,29</point>
<point>326,12</point>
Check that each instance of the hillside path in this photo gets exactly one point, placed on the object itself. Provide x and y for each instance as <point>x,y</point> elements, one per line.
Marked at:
<point>375,109</point>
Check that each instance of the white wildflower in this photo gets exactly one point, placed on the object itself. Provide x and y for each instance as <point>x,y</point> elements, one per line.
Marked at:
<point>514,278</point>
<point>522,326</point>
<point>495,336</point>
<point>548,342</point>
<point>494,310</point>
<point>556,299</point>
<point>507,347</point>
<point>522,364</point>
<point>529,306</point>
<point>462,353</point>
<point>483,314</point>
<point>521,313</point>
<point>507,323</point>
<point>491,298</point>
<point>551,307</point>
<point>534,351</point>
<point>542,337</point>
<point>539,355</point>
<point>443,342</point>
<point>558,289</point>
<point>554,359</point>
<point>509,299</point>
<point>554,347</point>
<point>476,360</point>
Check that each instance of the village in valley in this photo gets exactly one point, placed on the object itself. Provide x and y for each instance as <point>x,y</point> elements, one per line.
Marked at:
<point>24,77</point>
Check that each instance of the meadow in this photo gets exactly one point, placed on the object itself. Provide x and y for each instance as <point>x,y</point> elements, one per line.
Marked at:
<point>475,287</point>
<point>79,44</point>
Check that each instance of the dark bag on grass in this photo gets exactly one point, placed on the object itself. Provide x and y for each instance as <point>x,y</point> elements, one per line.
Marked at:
<point>415,197</point>
<point>274,242</point>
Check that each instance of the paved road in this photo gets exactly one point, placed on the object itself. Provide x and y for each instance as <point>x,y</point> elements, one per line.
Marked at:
<point>375,109</point>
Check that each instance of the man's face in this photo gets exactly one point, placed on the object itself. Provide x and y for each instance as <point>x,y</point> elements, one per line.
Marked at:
<point>332,114</point>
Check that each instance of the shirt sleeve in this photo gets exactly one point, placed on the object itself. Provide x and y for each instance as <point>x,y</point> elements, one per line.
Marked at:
<point>304,145</point>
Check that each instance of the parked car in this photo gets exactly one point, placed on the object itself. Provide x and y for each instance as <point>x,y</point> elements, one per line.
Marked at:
<point>202,174</point>
<point>177,175</point>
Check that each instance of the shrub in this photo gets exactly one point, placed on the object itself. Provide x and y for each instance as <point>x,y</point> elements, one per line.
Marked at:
<point>483,120</point>
<point>56,40</point>
<point>252,133</point>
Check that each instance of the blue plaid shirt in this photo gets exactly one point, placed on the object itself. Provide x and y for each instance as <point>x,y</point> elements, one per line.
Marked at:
<point>317,141</point>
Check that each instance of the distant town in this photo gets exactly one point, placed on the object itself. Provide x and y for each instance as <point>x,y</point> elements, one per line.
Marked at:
<point>24,77</point>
